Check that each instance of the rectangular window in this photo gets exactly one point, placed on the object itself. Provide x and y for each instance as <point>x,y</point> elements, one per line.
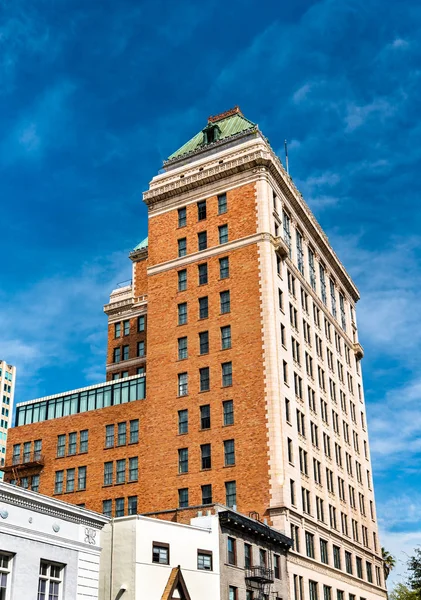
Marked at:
<point>201,210</point>
<point>223,234</point>
<point>204,560</point>
<point>202,240</point>
<point>248,559</point>
<point>183,384</point>
<point>203,273</point>
<point>327,592</point>
<point>160,553</point>
<point>232,551</point>
<point>16,452</point>
<point>121,471</point>
<point>37,449</point>
<point>312,270</point>
<point>117,330</point>
<point>108,473</point>
<point>134,431</point>
<point>206,458</point>
<point>228,409</point>
<point>109,436</point>
<point>205,419</point>
<point>313,590</point>
<point>277,566</point>
<point>337,557</point>
<point>141,323</point>
<point>126,327</point>
<point>224,268</point>
<point>204,376</point>
<point>348,562</point>
<point>300,253</point>
<point>121,434</point>
<point>226,337</point>
<point>203,307</point>
<point>132,505</point>
<point>309,544</point>
<point>204,342</point>
<point>126,352</point>
<point>182,280</point>
<point>324,556</point>
<point>287,231</point>
<point>133,468</point>
<point>182,313</point>
<point>222,204</point>
<point>225,302</point>
<point>182,217</point>
<point>183,460</point>
<point>27,452</point>
<point>83,440</point>
<point>182,247</point>
<point>50,582</point>
<point>58,484</point>
<point>229,452</point>
<point>107,507</point>
<point>141,348</point>
<point>61,446</point>
<point>119,507</point>
<point>232,593</point>
<point>226,374</point>
<point>183,497</point>
<point>81,478</point>
<point>230,493</point>
<point>206,494</point>
<point>183,421</point>
<point>72,445</point>
<point>35,483</point>
<point>182,348</point>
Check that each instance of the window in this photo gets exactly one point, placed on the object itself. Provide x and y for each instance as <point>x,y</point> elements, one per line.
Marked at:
<point>204,560</point>
<point>183,460</point>
<point>277,566</point>
<point>61,446</point>
<point>287,230</point>
<point>109,436</point>
<point>81,478</point>
<point>204,342</point>
<point>183,497</point>
<point>37,449</point>
<point>300,253</point>
<point>182,247</point>
<point>228,409</point>
<point>182,348</point>
<point>223,234</point>
<point>230,493</point>
<point>327,592</point>
<point>224,268</point>
<point>119,507</point>
<point>50,581</point>
<point>305,497</point>
<point>182,280</point>
<point>337,557</point>
<point>132,505</point>
<point>222,204</point>
<point>226,337</point>
<point>71,448</point>
<point>369,569</point>
<point>295,536</point>
<point>182,384</point>
<point>203,307</point>
<point>232,554</point>
<point>348,562</point>
<point>359,564</point>
<point>141,323</point>
<point>205,421</point>
<point>160,553</point>
<point>121,434</point>
<point>108,473</point>
<point>205,453</point>
<point>133,468</point>
<point>35,483</point>
<point>107,507</point>
<point>226,374</point>
<point>225,302</point>
<point>324,557</point>
<point>229,452</point>
<point>117,330</point>
<point>83,440</point>
<point>5,568</point>
<point>121,471</point>
<point>203,273</point>
<point>313,590</point>
<point>262,557</point>
<point>206,494</point>
<point>58,484</point>
<point>183,421</point>
<point>232,593</point>
<point>126,352</point>
<point>141,348</point>
<point>292,491</point>
<point>309,544</point>
<point>201,210</point>
<point>202,240</point>
<point>182,313</point>
<point>204,376</point>
<point>290,451</point>
<point>182,217</point>
<point>248,560</point>
<point>134,431</point>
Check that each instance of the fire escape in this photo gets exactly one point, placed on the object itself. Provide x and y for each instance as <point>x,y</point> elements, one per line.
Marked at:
<point>30,463</point>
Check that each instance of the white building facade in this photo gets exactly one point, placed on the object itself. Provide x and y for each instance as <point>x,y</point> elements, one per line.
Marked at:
<point>49,550</point>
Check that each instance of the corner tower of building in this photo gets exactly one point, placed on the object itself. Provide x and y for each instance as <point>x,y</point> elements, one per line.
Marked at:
<point>7,390</point>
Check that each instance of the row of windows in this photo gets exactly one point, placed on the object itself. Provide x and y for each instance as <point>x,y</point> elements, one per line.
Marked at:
<point>161,555</point>
<point>202,210</point>
<point>124,327</point>
<point>139,371</point>
<point>204,379</point>
<point>206,456</point>
<point>202,240</point>
<point>205,416</point>
<point>202,272</point>
<point>72,443</point>
<point>50,578</point>
<point>7,388</point>
<point>313,588</point>
<point>230,495</point>
<point>123,352</point>
<point>124,470</point>
<point>122,434</point>
<point>65,481</point>
<point>261,558</point>
<point>28,483</point>
<point>182,342</point>
<point>120,507</point>
<point>203,307</point>
<point>27,452</point>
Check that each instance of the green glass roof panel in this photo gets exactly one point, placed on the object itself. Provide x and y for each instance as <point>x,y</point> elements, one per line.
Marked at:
<point>142,244</point>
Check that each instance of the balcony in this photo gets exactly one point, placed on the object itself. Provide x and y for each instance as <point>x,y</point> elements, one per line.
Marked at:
<point>259,574</point>
<point>281,248</point>
<point>26,461</point>
<point>358,351</point>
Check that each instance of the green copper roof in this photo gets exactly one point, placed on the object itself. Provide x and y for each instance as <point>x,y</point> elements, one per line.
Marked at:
<point>229,124</point>
<point>143,244</point>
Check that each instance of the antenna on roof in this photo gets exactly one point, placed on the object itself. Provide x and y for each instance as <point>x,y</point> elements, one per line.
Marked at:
<point>286,157</point>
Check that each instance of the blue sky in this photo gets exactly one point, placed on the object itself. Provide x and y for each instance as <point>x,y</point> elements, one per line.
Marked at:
<point>95,95</point>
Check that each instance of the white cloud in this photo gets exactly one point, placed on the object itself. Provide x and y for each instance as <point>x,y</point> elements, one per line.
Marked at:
<point>399,43</point>
<point>302,93</point>
<point>356,115</point>
<point>400,545</point>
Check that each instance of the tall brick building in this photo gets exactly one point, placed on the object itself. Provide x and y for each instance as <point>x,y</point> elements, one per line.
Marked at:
<point>233,372</point>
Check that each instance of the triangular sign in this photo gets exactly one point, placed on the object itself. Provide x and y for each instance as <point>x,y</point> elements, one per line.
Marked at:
<point>176,588</point>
